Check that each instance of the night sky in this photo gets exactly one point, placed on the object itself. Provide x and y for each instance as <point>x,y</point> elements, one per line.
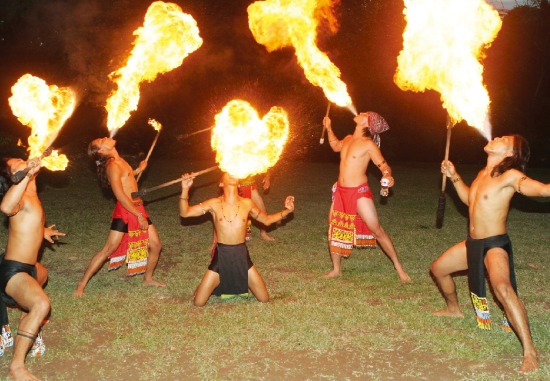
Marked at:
<point>78,43</point>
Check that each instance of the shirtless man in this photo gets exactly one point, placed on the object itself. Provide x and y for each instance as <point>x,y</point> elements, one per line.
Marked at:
<point>231,271</point>
<point>249,188</point>
<point>128,212</point>
<point>488,246</point>
<point>356,152</point>
<point>21,276</point>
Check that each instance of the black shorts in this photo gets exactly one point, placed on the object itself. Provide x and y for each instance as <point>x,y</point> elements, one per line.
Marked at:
<point>118,224</point>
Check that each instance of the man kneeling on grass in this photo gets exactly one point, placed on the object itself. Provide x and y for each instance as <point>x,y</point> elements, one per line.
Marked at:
<point>488,247</point>
<point>231,271</point>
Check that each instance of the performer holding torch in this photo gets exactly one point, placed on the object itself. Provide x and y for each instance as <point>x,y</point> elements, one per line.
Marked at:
<point>132,238</point>
<point>488,247</point>
<point>21,276</point>
<point>352,197</point>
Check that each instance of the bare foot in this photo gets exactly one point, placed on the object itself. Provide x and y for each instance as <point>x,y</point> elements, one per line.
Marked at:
<point>152,282</point>
<point>448,313</point>
<point>265,237</point>
<point>79,292</point>
<point>20,373</point>
<point>530,364</point>
<point>332,274</point>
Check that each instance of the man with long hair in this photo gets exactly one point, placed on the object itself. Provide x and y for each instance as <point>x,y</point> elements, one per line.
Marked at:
<point>353,220</point>
<point>488,247</point>
<point>22,277</point>
<point>132,238</point>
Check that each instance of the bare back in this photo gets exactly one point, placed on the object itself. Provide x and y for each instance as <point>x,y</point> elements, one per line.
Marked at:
<point>26,230</point>
<point>489,202</point>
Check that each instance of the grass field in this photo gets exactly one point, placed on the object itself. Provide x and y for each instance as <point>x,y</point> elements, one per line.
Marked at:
<point>365,325</point>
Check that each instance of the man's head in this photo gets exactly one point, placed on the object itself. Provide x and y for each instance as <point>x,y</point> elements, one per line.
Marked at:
<point>228,180</point>
<point>8,166</point>
<point>514,150</point>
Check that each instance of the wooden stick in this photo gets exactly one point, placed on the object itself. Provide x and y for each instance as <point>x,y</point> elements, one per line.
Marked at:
<point>196,132</point>
<point>143,192</point>
<point>150,151</point>
<point>20,175</point>
<point>322,140</point>
<point>442,199</point>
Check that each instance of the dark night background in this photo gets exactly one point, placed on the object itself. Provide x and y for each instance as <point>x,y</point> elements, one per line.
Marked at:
<point>78,43</point>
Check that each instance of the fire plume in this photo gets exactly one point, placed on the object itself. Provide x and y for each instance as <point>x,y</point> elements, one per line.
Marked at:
<point>277,24</point>
<point>443,44</point>
<point>246,145</point>
<point>167,37</point>
<point>44,109</point>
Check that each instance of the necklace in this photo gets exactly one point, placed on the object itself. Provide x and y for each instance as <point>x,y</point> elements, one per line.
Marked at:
<point>236,213</point>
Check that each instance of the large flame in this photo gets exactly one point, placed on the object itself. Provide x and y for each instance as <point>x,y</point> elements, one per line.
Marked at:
<point>442,47</point>
<point>281,23</point>
<point>167,36</point>
<point>44,109</point>
<point>246,145</point>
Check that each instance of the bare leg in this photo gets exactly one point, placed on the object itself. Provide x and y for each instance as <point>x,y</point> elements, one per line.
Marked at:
<point>155,247</point>
<point>256,284</point>
<point>209,282</point>
<point>498,267</point>
<point>334,258</point>
<point>257,199</point>
<point>367,211</point>
<point>113,240</point>
<point>451,261</point>
<point>28,294</point>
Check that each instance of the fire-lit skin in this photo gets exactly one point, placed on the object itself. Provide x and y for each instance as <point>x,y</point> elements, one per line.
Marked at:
<point>123,182</point>
<point>25,234</point>
<point>356,152</point>
<point>229,230</point>
<point>488,200</point>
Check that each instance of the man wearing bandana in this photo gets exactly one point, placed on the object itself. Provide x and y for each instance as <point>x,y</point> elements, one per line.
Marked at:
<point>353,220</point>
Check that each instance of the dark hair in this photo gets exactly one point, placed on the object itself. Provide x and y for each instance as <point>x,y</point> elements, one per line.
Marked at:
<point>518,160</point>
<point>5,177</point>
<point>101,163</point>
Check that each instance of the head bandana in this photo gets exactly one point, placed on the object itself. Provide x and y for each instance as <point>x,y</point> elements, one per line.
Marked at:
<point>377,125</point>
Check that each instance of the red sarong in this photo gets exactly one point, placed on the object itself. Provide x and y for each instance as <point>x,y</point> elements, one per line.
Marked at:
<point>346,228</point>
<point>133,248</point>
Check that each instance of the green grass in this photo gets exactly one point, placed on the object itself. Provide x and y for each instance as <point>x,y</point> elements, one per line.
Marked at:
<point>364,325</point>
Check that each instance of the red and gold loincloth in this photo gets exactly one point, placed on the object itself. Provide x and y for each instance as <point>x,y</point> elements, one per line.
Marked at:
<point>346,228</point>
<point>133,248</point>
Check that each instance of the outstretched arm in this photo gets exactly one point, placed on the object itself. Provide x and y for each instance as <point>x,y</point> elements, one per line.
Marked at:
<point>530,187</point>
<point>449,170</point>
<point>268,219</point>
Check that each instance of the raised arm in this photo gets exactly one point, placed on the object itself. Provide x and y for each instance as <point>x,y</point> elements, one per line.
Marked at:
<point>530,187</point>
<point>140,168</point>
<point>449,170</point>
<point>11,203</point>
<point>187,210</point>
<point>268,219</point>
<point>333,141</point>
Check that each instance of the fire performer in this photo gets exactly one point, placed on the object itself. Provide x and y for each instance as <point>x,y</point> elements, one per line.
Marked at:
<point>132,238</point>
<point>353,220</point>
<point>21,276</point>
<point>488,246</point>
<point>231,271</point>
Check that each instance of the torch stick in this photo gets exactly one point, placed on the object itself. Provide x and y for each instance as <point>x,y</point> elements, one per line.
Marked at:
<point>322,140</point>
<point>150,150</point>
<point>442,199</point>
<point>20,175</point>
<point>196,132</point>
<point>143,192</point>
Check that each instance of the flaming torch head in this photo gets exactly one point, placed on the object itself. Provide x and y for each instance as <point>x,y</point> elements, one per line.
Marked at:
<point>443,44</point>
<point>44,109</point>
<point>246,145</point>
<point>289,23</point>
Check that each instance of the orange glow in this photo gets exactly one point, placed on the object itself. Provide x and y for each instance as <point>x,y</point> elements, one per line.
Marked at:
<point>167,36</point>
<point>246,145</point>
<point>44,109</point>
<point>443,45</point>
<point>277,24</point>
<point>156,125</point>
